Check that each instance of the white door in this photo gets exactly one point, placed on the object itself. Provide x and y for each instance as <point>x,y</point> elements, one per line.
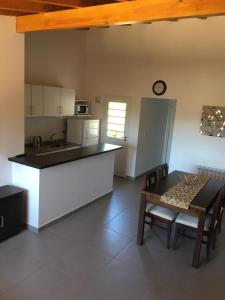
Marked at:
<point>51,101</point>
<point>67,102</point>
<point>37,100</point>
<point>28,103</point>
<point>155,133</point>
<point>115,130</point>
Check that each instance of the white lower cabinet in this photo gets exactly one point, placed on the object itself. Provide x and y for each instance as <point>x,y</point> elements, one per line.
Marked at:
<point>56,191</point>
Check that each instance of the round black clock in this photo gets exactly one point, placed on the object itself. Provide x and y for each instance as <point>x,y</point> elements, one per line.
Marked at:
<point>159,87</point>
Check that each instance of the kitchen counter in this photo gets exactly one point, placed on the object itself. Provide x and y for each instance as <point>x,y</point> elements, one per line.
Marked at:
<point>42,160</point>
<point>59,183</point>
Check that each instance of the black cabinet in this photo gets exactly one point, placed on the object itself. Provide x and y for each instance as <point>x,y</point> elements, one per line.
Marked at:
<point>11,211</point>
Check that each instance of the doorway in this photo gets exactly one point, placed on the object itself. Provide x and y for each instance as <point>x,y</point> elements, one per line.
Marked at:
<point>115,130</point>
<point>155,135</point>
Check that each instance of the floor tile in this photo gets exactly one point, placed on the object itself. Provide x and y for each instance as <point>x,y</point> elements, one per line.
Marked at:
<point>116,282</point>
<point>46,283</point>
<point>74,228</point>
<point>114,202</point>
<point>96,215</point>
<point>93,255</point>
<point>82,261</point>
<point>123,224</point>
<point>14,267</point>
<point>109,241</point>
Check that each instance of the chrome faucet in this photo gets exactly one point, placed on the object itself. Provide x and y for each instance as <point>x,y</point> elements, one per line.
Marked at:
<point>54,134</point>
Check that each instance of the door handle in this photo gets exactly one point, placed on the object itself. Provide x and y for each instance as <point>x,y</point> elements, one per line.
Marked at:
<point>2,222</point>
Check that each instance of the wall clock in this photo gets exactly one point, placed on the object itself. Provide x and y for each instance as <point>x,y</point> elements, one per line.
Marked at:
<point>159,87</point>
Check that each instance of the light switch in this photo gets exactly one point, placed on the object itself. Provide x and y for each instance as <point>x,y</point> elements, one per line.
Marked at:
<point>98,99</point>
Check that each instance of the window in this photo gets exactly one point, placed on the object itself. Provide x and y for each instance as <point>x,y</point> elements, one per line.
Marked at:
<point>116,117</point>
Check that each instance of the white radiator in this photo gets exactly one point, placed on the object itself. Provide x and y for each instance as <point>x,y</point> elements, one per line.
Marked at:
<point>212,173</point>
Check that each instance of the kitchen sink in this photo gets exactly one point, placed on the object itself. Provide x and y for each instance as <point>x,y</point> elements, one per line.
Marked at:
<point>58,145</point>
<point>59,150</point>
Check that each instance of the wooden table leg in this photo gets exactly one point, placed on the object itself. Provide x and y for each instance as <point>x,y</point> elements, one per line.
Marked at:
<point>198,241</point>
<point>141,223</point>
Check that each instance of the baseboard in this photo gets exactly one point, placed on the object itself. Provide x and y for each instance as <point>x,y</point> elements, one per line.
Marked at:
<point>130,178</point>
<point>37,230</point>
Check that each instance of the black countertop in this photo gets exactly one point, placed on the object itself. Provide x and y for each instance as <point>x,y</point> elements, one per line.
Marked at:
<point>49,147</point>
<point>57,158</point>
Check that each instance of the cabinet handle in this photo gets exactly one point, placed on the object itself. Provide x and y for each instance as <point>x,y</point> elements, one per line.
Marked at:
<point>2,222</point>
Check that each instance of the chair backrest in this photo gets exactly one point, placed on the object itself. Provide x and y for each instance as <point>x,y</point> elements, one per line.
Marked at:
<point>155,174</point>
<point>162,171</point>
<point>150,178</point>
<point>217,208</point>
<point>222,202</point>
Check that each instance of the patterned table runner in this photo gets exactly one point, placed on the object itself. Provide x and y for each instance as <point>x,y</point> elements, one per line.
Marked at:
<point>184,191</point>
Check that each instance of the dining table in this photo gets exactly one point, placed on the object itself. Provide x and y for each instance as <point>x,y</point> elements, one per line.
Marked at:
<point>199,206</point>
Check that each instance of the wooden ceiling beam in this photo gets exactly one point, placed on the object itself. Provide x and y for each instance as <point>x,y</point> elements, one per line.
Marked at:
<point>9,12</point>
<point>121,13</point>
<point>74,3</point>
<point>27,6</point>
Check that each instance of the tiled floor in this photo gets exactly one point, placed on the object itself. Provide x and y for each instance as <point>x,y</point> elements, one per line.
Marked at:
<point>93,255</point>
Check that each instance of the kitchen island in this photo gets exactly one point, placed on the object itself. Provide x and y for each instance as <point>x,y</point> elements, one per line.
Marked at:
<point>59,183</point>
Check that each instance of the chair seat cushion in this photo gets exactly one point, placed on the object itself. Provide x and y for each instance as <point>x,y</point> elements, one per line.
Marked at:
<point>149,206</point>
<point>163,212</point>
<point>192,221</point>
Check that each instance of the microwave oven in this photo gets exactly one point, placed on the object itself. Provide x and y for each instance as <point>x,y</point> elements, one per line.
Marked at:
<point>81,109</point>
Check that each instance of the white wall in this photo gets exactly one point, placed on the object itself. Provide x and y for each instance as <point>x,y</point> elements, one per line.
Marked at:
<point>188,55</point>
<point>11,95</point>
<point>44,127</point>
<point>56,58</point>
<point>125,61</point>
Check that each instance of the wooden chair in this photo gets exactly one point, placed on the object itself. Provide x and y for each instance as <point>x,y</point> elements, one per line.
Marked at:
<point>220,218</point>
<point>184,222</point>
<point>162,171</point>
<point>158,213</point>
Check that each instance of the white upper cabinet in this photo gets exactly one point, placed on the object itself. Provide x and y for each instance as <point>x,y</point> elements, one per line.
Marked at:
<point>67,102</point>
<point>51,101</point>
<point>48,101</point>
<point>37,95</point>
<point>28,103</point>
<point>33,100</point>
